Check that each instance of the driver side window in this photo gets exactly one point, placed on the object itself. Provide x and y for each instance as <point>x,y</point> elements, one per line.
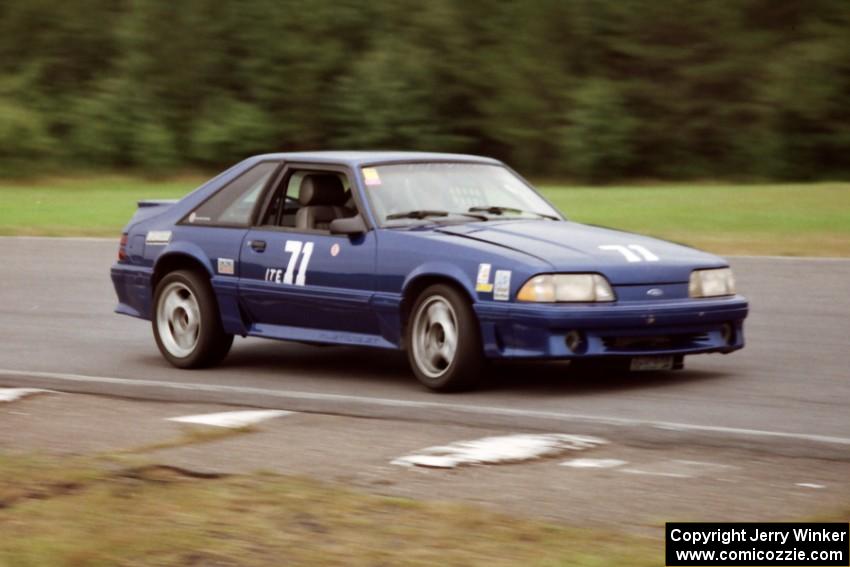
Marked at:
<point>284,203</point>
<point>308,200</point>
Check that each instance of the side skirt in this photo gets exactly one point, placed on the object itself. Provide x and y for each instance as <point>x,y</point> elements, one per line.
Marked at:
<point>324,336</point>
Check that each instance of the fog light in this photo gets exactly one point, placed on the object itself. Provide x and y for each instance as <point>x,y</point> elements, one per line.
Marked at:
<point>575,341</point>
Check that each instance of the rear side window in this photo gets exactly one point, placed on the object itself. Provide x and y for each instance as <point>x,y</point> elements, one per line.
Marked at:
<point>233,204</point>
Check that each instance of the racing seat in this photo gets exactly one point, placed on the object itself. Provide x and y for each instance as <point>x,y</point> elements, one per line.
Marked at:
<point>323,199</point>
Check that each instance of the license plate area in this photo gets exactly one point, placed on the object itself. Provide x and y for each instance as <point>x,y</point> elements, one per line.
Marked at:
<point>651,363</point>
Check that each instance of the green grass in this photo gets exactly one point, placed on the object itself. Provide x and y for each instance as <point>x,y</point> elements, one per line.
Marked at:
<point>790,219</point>
<point>84,512</point>
<point>94,206</point>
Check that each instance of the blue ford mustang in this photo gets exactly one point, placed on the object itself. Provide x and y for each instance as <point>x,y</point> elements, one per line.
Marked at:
<point>453,258</point>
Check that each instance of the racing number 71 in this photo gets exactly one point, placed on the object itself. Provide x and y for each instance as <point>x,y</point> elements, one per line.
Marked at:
<point>295,248</point>
<point>306,250</point>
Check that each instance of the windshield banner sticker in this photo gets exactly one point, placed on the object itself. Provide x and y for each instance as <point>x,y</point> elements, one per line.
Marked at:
<point>502,283</point>
<point>482,283</point>
<point>370,176</point>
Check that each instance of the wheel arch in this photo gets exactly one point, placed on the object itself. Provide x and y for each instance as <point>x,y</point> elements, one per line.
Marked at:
<point>177,260</point>
<point>418,282</point>
<point>468,359</point>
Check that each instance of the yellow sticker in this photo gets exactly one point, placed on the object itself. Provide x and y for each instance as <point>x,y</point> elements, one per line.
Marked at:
<point>482,281</point>
<point>370,176</point>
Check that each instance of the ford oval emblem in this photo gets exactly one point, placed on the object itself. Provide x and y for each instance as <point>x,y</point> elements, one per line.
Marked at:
<point>655,292</point>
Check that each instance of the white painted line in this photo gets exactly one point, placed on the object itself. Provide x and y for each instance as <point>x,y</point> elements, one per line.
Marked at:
<point>809,485</point>
<point>679,468</point>
<point>460,408</point>
<point>500,449</point>
<point>656,473</point>
<point>233,419</point>
<point>13,394</point>
<point>703,464</point>
<point>593,463</point>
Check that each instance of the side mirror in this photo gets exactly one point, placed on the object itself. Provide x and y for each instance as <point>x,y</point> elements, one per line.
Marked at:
<point>351,226</point>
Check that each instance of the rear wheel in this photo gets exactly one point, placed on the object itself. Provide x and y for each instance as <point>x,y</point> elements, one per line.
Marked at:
<point>186,323</point>
<point>443,340</point>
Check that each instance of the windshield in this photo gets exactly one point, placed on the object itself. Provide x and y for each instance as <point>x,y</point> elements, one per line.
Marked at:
<point>410,192</point>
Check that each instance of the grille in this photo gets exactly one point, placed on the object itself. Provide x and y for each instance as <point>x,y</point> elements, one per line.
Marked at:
<point>655,342</point>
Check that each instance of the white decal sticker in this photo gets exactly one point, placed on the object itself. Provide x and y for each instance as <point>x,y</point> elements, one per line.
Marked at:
<point>274,275</point>
<point>294,247</point>
<point>335,250</point>
<point>482,282</point>
<point>647,255</point>
<point>226,266</point>
<point>502,285</point>
<point>628,252</point>
<point>195,218</point>
<point>289,277</point>
<point>301,278</point>
<point>158,237</point>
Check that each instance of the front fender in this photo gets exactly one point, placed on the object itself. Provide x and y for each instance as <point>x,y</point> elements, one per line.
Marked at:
<point>390,306</point>
<point>443,270</point>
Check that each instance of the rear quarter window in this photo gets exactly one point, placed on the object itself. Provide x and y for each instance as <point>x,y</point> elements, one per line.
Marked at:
<point>233,204</point>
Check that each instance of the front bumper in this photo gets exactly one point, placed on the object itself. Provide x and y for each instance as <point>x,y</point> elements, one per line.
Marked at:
<point>676,327</point>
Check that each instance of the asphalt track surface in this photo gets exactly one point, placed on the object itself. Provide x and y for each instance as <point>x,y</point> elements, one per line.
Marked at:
<point>789,386</point>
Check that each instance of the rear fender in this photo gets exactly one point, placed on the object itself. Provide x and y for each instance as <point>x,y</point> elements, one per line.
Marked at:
<point>172,252</point>
<point>186,254</point>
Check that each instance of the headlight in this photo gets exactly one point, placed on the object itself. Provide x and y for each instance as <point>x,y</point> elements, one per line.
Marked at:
<point>566,287</point>
<point>712,283</point>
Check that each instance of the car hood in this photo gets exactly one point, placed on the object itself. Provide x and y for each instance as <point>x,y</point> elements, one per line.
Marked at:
<point>572,247</point>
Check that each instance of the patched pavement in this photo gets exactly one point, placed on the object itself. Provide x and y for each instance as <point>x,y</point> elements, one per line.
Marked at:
<point>621,485</point>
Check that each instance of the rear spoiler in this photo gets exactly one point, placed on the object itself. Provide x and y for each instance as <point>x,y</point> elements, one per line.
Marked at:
<point>150,208</point>
<point>156,202</point>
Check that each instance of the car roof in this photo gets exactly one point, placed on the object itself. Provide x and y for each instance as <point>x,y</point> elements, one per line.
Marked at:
<point>361,158</point>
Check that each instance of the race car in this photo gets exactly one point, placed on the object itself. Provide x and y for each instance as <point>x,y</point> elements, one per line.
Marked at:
<point>455,259</point>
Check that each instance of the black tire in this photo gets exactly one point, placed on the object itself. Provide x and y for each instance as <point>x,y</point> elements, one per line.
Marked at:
<point>209,344</point>
<point>423,336</point>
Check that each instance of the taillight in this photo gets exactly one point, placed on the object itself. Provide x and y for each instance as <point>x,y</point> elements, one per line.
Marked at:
<point>122,248</point>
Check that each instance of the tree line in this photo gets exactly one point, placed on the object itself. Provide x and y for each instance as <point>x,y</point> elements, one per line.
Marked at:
<point>593,90</point>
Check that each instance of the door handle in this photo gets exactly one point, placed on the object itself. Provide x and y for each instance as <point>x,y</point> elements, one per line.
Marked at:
<point>258,245</point>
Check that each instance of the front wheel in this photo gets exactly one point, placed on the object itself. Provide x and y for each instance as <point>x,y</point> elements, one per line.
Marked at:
<point>186,323</point>
<point>443,340</point>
